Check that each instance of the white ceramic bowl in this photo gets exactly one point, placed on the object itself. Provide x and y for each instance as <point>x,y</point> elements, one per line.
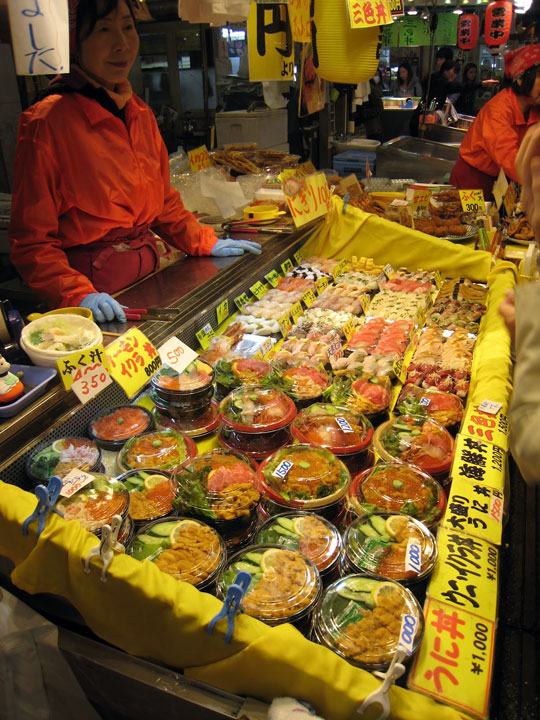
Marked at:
<point>71,325</point>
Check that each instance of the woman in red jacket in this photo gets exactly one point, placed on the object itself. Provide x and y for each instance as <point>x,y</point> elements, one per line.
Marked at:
<point>92,187</point>
<point>493,140</point>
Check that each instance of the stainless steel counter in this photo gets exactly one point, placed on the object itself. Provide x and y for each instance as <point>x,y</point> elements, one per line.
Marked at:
<point>424,160</point>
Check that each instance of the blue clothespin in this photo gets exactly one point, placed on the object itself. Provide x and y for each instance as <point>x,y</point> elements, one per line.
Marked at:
<point>345,202</point>
<point>232,604</point>
<point>47,497</point>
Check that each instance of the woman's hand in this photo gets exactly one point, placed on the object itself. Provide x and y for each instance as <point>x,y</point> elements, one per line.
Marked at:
<point>508,311</point>
<point>227,247</point>
<point>104,308</point>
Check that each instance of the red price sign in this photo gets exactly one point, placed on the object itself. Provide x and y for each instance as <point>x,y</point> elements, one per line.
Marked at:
<point>89,381</point>
<point>312,201</point>
<point>199,158</point>
<point>176,354</point>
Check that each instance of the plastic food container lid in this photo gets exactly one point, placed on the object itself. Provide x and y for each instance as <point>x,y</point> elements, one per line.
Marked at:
<point>369,397</point>
<point>304,476</point>
<point>256,410</point>
<point>242,371</point>
<point>419,441</point>
<point>335,428</point>
<point>59,457</point>
<point>360,618</point>
<point>396,547</point>
<point>398,488</point>
<point>310,534</point>
<point>161,449</point>
<point>116,425</point>
<point>302,382</point>
<point>443,407</point>
<point>219,486</point>
<point>202,424</point>
<point>151,493</point>
<point>198,374</point>
<point>185,548</point>
<point>95,504</point>
<point>285,585</point>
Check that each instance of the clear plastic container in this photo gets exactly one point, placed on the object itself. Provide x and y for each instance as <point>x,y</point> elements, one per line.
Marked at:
<point>360,619</point>
<point>59,457</point>
<point>112,428</point>
<point>255,446</point>
<point>158,450</point>
<point>334,428</point>
<point>185,548</point>
<point>151,493</point>
<point>304,476</point>
<point>310,534</point>
<point>418,441</point>
<point>285,585</point>
<point>304,383</point>
<point>242,371</point>
<point>189,391</point>
<point>95,504</point>
<point>397,488</point>
<point>194,427</point>
<point>443,407</point>
<point>395,547</point>
<point>370,397</point>
<point>256,410</point>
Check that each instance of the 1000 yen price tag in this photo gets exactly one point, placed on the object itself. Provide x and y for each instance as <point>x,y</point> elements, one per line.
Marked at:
<point>90,381</point>
<point>74,481</point>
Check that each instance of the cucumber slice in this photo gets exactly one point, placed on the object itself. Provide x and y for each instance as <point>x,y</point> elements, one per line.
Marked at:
<point>379,523</point>
<point>248,567</point>
<point>361,584</point>
<point>101,484</point>
<point>163,529</point>
<point>364,598</point>
<point>287,533</point>
<point>140,474</point>
<point>286,523</point>
<point>135,481</point>
<point>150,540</point>
<point>369,531</point>
<point>254,558</point>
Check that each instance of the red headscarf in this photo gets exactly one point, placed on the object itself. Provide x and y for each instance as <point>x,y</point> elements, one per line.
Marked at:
<point>517,61</point>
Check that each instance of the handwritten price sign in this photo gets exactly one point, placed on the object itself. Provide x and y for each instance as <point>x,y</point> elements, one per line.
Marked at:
<point>420,200</point>
<point>199,159</point>
<point>40,36</point>
<point>176,354</point>
<point>69,365</point>
<point>74,481</point>
<point>90,381</point>
<point>312,202</point>
<point>368,13</point>
<point>472,201</point>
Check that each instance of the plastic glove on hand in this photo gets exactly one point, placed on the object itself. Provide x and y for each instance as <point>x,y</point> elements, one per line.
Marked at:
<point>104,308</point>
<point>227,247</point>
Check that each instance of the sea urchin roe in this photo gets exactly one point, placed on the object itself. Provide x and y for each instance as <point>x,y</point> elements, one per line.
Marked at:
<point>314,473</point>
<point>121,424</point>
<point>391,488</point>
<point>195,555</point>
<point>151,503</point>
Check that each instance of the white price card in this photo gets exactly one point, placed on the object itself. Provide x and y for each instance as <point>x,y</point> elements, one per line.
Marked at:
<point>176,354</point>
<point>490,407</point>
<point>413,556</point>
<point>282,469</point>
<point>408,633</point>
<point>74,481</point>
<point>90,381</point>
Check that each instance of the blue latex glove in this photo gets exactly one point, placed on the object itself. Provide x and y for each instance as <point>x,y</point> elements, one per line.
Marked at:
<point>104,308</point>
<point>226,247</point>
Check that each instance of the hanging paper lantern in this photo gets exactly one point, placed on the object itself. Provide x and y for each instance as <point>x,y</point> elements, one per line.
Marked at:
<point>468,30</point>
<point>498,22</point>
<point>341,54</point>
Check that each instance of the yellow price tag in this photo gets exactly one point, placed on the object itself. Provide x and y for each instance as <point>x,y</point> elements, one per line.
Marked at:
<point>285,324</point>
<point>222,311</point>
<point>388,270</point>
<point>296,311</point>
<point>70,364</point>
<point>340,268</point>
<point>199,158</point>
<point>485,427</point>
<point>438,280</point>
<point>204,335</point>
<point>321,285</point>
<point>399,370</point>
<point>478,462</point>
<point>472,201</point>
<point>308,298</point>
<point>467,640</point>
<point>259,289</point>
<point>349,328</point>
<point>312,202</point>
<point>286,266</point>
<point>132,360</point>
<point>241,300</point>
<point>298,257</point>
<point>365,301</point>
<point>272,277</point>
<point>420,200</point>
<point>421,315</point>
<point>381,280</point>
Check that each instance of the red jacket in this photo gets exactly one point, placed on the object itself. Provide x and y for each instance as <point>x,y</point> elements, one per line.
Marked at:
<point>80,172</point>
<point>493,140</point>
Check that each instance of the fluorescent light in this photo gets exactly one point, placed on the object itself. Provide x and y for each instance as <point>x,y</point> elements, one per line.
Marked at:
<point>457,11</point>
<point>412,12</point>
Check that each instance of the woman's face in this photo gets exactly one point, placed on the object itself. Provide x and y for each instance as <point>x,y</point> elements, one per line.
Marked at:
<point>471,74</point>
<point>108,53</point>
<point>403,74</point>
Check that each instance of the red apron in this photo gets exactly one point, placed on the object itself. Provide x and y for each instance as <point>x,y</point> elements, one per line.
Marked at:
<point>119,259</point>
<point>467,177</point>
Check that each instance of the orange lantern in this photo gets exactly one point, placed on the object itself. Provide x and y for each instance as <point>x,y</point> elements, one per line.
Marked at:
<point>341,54</point>
<point>468,30</point>
<point>498,22</point>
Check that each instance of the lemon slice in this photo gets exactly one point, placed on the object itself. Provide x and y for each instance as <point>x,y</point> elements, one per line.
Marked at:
<point>178,529</point>
<point>153,480</point>
<point>382,588</point>
<point>396,525</point>
<point>268,558</point>
<point>298,525</point>
<point>58,446</point>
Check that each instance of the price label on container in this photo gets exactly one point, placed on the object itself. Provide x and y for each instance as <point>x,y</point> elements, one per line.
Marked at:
<point>340,268</point>
<point>272,277</point>
<point>199,159</point>
<point>204,335</point>
<point>222,312</point>
<point>455,661</point>
<point>264,349</point>
<point>285,324</point>
<point>259,289</point>
<point>296,311</point>
<point>413,556</point>
<point>89,381</point>
<point>466,574</point>
<point>321,284</point>
<point>335,352</point>
<point>407,635</point>
<point>176,354</point>
<point>472,201</point>
<point>241,300</point>
<point>286,266</point>
<point>490,407</point>
<point>308,298</point>
<point>69,364</point>
<point>74,481</point>
<point>132,360</point>
<point>313,200</point>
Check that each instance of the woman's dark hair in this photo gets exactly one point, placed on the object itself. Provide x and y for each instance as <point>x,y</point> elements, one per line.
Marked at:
<point>466,69</point>
<point>90,11</point>
<point>528,79</point>
<point>449,65</point>
<point>444,52</point>
<point>408,68</point>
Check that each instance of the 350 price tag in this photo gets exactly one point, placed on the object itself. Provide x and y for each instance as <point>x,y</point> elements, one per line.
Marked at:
<point>321,284</point>
<point>176,354</point>
<point>90,381</point>
<point>472,201</point>
<point>199,158</point>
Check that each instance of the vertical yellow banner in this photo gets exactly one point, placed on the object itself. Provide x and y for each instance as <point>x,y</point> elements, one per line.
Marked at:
<point>300,20</point>
<point>270,43</point>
